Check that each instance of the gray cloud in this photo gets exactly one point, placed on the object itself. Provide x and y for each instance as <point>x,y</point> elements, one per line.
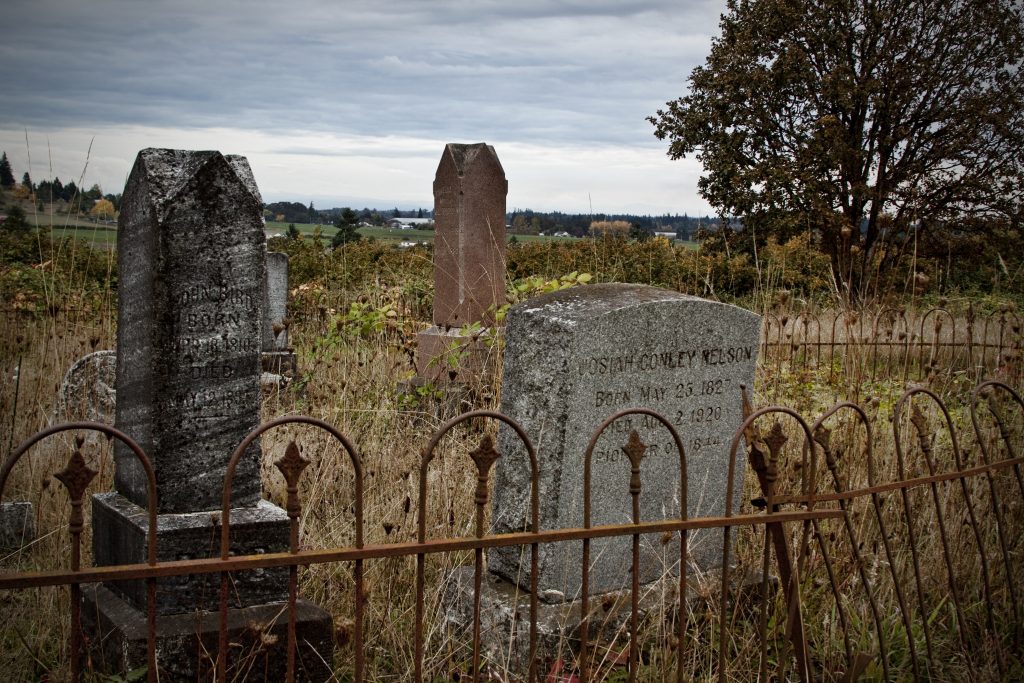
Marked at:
<point>360,95</point>
<point>582,70</point>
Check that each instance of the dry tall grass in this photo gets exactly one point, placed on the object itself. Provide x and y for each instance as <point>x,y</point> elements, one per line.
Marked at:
<point>353,362</point>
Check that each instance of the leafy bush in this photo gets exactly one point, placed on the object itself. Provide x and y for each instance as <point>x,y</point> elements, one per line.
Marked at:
<point>38,272</point>
<point>16,221</point>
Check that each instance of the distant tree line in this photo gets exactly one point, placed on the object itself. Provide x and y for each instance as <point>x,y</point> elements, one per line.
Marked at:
<point>530,222</point>
<point>53,190</point>
<point>520,221</point>
<point>294,212</point>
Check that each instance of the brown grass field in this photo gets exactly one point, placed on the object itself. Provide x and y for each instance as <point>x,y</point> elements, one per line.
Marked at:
<point>352,362</point>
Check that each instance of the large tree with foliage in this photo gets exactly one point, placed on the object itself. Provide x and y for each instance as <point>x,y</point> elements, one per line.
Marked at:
<point>862,122</point>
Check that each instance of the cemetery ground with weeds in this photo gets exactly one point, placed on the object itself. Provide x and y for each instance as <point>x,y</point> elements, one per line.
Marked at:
<point>353,317</point>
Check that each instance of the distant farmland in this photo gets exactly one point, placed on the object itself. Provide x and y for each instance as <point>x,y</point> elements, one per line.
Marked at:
<point>104,235</point>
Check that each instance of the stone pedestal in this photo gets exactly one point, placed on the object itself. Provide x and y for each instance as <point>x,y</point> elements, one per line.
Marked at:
<point>451,355</point>
<point>121,529</point>
<point>187,606</point>
<point>187,643</point>
<point>505,615</point>
<point>283,363</point>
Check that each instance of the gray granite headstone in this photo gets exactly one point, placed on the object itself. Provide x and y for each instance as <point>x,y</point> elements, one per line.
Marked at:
<point>191,257</point>
<point>575,357</point>
<point>275,305</point>
<point>191,264</point>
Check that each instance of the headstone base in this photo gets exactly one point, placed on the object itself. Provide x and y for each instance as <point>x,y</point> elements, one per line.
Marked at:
<point>452,355</point>
<point>505,615</point>
<point>186,644</point>
<point>17,524</point>
<point>120,530</point>
<point>284,363</point>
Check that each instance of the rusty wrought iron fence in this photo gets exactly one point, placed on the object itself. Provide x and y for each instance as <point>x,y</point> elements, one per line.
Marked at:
<point>895,567</point>
<point>916,345</point>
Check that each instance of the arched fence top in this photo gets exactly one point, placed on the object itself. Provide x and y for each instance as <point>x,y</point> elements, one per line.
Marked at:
<point>937,314</point>
<point>77,472</point>
<point>919,421</point>
<point>822,437</point>
<point>229,474</point>
<point>985,391</point>
<point>484,458</point>
<point>635,455</point>
<point>890,313</point>
<point>775,440</point>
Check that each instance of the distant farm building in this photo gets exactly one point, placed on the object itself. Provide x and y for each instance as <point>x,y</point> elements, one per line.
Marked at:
<point>409,223</point>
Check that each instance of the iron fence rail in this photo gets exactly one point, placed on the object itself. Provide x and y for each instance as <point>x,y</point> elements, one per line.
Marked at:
<point>854,344</point>
<point>866,549</point>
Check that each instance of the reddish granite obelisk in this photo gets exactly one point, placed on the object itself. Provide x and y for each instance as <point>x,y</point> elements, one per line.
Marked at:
<point>469,262</point>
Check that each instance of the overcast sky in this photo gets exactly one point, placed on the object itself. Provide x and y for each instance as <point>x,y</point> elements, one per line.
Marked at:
<point>351,103</point>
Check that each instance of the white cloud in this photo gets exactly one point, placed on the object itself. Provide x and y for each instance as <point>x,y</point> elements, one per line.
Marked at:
<point>335,170</point>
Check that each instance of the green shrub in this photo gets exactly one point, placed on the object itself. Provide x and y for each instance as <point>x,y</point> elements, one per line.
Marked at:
<point>38,272</point>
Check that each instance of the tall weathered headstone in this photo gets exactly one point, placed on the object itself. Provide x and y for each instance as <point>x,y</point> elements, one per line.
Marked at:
<point>575,357</point>
<point>469,255</point>
<point>191,263</point>
<point>190,257</point>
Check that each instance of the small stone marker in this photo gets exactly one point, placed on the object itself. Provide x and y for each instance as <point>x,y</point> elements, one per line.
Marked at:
<point>275,307</point>
<point>469,256</point>
<point>88,390</point>
<point>574,358</point>
<point>278,360</point>
<point>17,525</point>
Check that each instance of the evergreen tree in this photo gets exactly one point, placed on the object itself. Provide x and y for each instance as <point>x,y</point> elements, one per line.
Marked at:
<point>56,190</point>
<point>6,175</point>
<point>16,221</point>
<point>26,180</point>
<point>346,225</point>
<point>640,233</point>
